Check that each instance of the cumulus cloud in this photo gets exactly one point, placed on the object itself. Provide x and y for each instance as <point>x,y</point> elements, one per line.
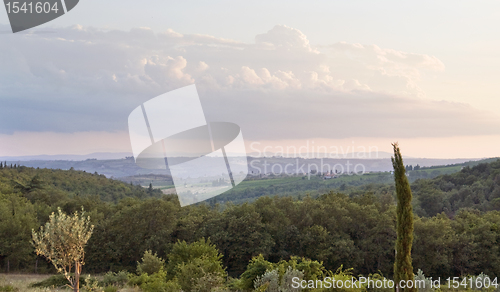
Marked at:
<point>278,87</point>
<point>384,69</point>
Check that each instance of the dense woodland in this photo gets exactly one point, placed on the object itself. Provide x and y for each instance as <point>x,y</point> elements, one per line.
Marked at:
<point>456,225</point>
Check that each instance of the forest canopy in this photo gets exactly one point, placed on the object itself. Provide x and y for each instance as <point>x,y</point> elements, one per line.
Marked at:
<point>456,226</point>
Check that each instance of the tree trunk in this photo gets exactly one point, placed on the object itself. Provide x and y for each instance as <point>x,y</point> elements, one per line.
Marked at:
<point>36,266</point>
<point>8,266</point>
<point>78,270</point>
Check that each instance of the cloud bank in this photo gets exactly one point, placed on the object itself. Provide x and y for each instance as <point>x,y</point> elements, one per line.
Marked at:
<point>81,79</point>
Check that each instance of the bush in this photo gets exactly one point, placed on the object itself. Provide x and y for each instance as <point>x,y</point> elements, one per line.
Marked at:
<point>189,273</point>
<point>270,281</point>
<point>257,267</point>
<point>115,279</point>
<point>182,253</point>
<point>138,280</point>
<point>209,282</point>
<point>427,281</point>
<point>150,264</point>
<point>156,282</point>
<point>92,285</point>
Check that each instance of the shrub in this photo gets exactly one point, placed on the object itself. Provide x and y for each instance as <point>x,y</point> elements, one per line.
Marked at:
<point>427,281</point>
<point>182,253</point>
<point>150,264</point>
<point>156,282</point>
<point>257,267</point>
<point>138,280</point>
<point>208,283</point>
<point>270,281</point>
<point>188,273</point>
<point>161,286</point>
<point>92,284</point>
<point>286,280</point>
<point>115,279</point>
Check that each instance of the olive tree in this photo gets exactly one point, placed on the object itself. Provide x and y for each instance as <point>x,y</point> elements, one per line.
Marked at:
<point>62,241</point>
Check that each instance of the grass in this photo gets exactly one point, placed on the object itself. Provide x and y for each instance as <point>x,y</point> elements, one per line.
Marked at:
<point>22,282</point>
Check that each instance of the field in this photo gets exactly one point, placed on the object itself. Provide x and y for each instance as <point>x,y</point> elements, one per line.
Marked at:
<point>255,186</point>
<point>21,282</point>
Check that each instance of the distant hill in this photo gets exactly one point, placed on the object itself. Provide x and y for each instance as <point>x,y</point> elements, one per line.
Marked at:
<point>126,167</point>
<point>71,157</point>
<point>52,185</point>
<point>378,183</point>
<point>476,187</point>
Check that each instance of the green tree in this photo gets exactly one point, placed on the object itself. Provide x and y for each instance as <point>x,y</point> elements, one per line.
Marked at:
<point>433,248</point>
<point>17,218</point>
<point>150,263</point>
<point>192,262</point>
<point>403,269</point>
<point>239,234</point>
<point>63,241</point>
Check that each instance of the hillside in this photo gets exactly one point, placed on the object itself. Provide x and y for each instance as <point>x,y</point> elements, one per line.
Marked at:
<point>296,186</point>
<point>355,230</point>
<point>475,187</point>
<point>55,185</point>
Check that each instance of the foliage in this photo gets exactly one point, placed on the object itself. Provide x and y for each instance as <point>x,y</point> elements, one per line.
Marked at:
<point>257,267</point>
<point>190,262</point>
<point>403,269</point>
<point>119,279</point>
<point>156,282</point>
<point>150,263</point>
<point>62,241</point>
<point>355,228</point>
<point>92,284</point>
<point>427,281</point>
<point>271,281</point>
<point>261,272</point>
<point>208,282</point>
<point>17,218</point>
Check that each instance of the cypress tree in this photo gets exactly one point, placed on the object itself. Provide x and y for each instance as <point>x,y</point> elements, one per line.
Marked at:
<point>403,269</point>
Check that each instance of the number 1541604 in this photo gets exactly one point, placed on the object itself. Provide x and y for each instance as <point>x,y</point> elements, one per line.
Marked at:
<point>31,7</point>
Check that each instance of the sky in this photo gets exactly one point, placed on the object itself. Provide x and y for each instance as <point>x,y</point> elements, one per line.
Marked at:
<point>348,74</point>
